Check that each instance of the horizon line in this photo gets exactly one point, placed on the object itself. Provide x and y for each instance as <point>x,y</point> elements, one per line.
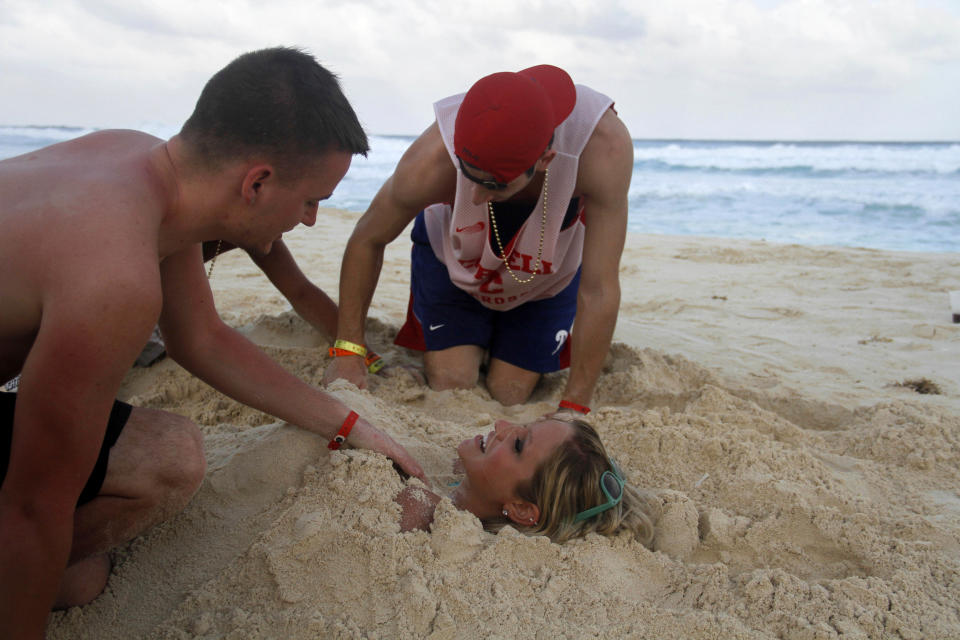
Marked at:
<point>731,140</point>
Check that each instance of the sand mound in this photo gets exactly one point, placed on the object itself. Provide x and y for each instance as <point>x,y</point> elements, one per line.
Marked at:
<point>803,494</point>
<point>767,528</point>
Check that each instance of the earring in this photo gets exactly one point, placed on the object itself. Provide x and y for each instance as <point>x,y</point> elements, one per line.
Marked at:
<point>505,513</point>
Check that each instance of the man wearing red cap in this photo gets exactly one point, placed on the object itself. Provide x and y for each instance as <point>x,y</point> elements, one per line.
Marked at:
<point>519,190</point>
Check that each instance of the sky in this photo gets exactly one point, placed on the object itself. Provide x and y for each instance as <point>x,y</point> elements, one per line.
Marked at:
<point>697,69</point>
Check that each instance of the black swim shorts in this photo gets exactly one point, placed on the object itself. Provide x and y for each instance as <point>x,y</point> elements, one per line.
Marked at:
<point>118,418</point>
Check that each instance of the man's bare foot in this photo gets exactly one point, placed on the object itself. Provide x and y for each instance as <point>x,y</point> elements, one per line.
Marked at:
<point>83,581</point>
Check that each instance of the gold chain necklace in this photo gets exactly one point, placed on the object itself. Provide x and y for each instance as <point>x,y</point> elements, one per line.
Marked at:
<point>543,226</point>
<point>214,261</point>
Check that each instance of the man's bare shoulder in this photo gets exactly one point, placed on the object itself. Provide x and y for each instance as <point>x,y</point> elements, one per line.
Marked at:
<point>610,143</point>
<point>425,173</point>
<point>87,173</point>
<point>102,174</point>
<point>100,146</point>
<point>78,217</point>
<point>607,159</point>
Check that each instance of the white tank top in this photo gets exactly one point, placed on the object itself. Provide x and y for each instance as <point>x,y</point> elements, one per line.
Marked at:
<point>459,234</point>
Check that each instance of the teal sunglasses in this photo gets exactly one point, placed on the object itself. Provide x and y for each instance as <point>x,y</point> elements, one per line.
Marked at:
<point>611,483</point>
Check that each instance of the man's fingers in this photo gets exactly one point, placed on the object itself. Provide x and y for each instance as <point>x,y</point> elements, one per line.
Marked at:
<point>414,469</point>
<point>369,437</point>
<point>407,463</point>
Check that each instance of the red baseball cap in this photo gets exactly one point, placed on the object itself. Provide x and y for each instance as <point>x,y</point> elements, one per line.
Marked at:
<point>506,119</point>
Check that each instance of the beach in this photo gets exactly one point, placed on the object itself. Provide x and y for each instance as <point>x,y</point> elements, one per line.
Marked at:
<point>795,409</point>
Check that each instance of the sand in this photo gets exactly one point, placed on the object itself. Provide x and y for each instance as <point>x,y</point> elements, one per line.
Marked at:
<point>767,393</point>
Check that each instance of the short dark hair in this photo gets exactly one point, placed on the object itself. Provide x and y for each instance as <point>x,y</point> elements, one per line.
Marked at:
<point>279,102</point>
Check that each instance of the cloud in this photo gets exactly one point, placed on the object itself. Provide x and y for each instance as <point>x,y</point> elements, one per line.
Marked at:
<point>727,68</point>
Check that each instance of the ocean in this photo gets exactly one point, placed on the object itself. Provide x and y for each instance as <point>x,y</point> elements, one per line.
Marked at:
<point>902,196</point>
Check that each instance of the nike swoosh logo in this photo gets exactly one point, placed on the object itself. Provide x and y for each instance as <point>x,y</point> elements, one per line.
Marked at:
<point>473,228</point>
<point>434,327</point>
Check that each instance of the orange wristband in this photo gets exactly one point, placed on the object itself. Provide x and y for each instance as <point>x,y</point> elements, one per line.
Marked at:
<point>336,352</point>
<point>344,432</point>
<point>373,361</point>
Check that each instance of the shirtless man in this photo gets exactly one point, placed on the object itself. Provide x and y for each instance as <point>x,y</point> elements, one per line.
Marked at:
<point>101,237</point>
<point>519,190</point>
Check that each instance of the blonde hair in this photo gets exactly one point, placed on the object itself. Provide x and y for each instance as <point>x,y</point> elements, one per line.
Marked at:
<point>568,482</point>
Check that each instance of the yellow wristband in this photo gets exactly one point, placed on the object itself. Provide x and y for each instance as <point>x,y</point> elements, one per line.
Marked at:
<point>352,347</point>
<point>374,362</point>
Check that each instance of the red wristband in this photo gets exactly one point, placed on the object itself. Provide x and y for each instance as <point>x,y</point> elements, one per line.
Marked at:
<point>566,404</point>
<point>344,432</point>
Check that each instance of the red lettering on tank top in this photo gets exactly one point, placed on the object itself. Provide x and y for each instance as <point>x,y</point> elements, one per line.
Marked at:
<point>490,278</point>
<point>482,273</point>
<point>486,286</point>
<point>528,267</point>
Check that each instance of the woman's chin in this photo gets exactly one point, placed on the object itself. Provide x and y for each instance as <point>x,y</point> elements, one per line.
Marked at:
<point>458,466</point>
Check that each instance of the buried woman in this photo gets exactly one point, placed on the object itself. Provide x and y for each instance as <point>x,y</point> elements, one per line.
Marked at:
<point>549,477</point>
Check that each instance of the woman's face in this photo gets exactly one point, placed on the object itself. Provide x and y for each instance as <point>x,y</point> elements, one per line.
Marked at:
<point>495,463</point>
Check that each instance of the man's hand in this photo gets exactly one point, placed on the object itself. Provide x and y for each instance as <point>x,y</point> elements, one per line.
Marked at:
<point>352,369</point>
<point>366,436</point>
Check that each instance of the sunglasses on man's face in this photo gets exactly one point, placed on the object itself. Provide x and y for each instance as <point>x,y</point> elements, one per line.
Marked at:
<point>490,184</point>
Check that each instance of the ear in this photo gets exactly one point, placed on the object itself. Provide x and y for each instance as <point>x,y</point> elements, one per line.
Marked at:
<point>253,181</point>
<point>546,159</point>
<point>523,513</point>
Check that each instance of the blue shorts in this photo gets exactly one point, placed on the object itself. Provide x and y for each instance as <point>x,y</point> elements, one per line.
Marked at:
<point>534,336</point>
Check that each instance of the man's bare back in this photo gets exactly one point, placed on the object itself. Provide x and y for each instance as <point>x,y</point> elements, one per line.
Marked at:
<point>69,227</point>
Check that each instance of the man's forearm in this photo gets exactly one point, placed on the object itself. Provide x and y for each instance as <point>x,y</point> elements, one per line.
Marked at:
<point>316,307</point>
<point>359,274</point>
<point>309,301</point>
<point>592,334</point>
<point>32,560</point>
<point>233,365</point>
<point>237,367</point>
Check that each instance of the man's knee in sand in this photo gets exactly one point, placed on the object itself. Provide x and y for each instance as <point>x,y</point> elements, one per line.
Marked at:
<point>459,368</point>
<point>155,467</point>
